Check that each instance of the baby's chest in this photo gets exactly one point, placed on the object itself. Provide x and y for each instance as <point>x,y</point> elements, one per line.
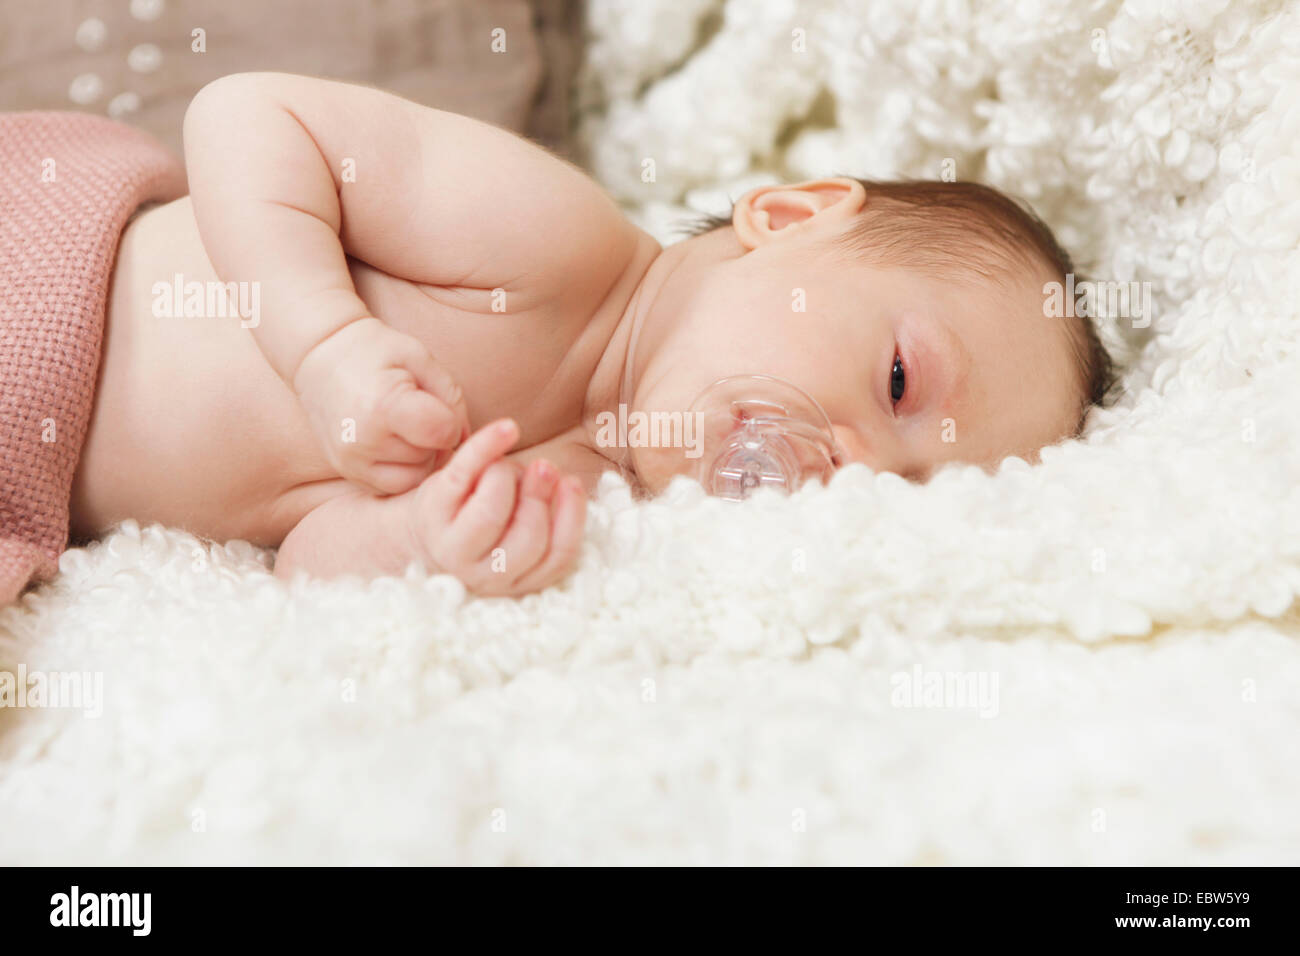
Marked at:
<point>508,360</point>
<point>570,453</point>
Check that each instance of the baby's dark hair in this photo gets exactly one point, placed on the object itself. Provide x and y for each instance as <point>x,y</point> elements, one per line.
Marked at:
<point>965,227</point>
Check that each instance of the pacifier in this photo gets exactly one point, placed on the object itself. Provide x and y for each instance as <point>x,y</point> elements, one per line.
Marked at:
<point>761,432</point>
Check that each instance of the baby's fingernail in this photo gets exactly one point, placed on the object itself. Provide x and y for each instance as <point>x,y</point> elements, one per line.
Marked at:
<point>507,426</point>
<point>544,476</point>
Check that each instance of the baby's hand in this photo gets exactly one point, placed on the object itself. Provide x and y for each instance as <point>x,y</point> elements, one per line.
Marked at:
<point>385,411</point>
<point>501,528</point>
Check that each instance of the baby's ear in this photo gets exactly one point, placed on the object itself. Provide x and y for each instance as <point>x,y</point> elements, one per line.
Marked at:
<point>771,212</point>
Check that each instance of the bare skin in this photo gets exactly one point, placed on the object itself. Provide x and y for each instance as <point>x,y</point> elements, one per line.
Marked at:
<point>377,308</point>
<point>193,429</point>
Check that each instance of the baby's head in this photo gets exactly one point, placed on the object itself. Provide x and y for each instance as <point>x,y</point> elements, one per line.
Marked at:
<point>913,312</point>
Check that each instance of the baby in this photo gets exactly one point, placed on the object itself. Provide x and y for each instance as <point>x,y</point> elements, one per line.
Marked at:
<point>443,320</point>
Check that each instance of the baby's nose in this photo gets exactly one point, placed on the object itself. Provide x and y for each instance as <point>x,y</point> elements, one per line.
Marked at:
<point>853,448</point>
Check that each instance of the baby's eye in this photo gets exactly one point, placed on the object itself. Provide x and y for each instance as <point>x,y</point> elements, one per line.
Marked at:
<point>897,381</point>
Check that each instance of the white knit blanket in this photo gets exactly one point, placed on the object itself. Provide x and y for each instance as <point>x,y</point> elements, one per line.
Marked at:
<point>1095,660</point>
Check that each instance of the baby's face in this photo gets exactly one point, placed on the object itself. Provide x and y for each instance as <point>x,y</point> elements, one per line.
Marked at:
<point>912,370</point>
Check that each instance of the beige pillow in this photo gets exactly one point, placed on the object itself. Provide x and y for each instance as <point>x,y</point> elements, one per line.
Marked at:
<point>141,61</point>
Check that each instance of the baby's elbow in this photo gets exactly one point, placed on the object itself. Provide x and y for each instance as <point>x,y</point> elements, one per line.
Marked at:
<point>227,98</point>
<point>208,104</point>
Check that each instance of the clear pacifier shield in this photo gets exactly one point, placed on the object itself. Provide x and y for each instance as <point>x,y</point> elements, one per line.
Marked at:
<point>761,432</point>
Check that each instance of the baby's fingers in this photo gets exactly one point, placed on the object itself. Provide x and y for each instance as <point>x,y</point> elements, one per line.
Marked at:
<point>568,520</point>
<point>525,541</point>
<point>435,380</point>
<point>482,520</point>
<point>452,485</point>
<point>425,420</point>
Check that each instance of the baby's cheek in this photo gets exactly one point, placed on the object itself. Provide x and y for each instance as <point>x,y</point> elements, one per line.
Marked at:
<point>656,467</point>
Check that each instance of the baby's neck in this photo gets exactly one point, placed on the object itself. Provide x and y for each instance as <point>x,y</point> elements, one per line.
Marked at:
<point>636,330</point>
<point>606,388</point>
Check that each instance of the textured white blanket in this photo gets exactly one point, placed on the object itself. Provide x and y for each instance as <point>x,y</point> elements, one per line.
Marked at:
<point>1096,660</point>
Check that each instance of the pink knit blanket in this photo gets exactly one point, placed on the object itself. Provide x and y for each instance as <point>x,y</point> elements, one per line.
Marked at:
<point>68,183</point>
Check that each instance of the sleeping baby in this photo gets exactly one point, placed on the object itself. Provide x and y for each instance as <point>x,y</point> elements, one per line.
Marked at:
<point>437,336</point>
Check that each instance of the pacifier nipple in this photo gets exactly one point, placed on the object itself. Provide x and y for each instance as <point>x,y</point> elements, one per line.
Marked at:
<point>761,432</point>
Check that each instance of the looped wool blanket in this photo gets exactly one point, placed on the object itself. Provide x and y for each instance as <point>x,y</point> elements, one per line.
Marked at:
<point>1092,660</point>
<point>68,183</point>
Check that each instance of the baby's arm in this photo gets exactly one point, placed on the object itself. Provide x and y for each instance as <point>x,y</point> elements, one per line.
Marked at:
<point>268,210</point>
<point>287,173</point>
